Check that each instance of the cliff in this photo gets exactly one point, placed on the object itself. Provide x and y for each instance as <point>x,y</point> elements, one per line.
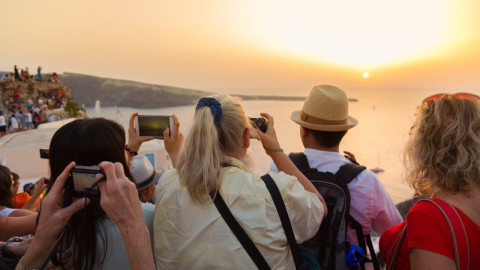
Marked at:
<point>19,92</point>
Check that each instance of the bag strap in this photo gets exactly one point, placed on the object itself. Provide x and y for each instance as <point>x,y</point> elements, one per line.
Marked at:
<point>241,235</point>
<point>392,260</point>
<point>282,212</point>
<point>349,171</point>
<point>457,229</point>
<point>300,160</point>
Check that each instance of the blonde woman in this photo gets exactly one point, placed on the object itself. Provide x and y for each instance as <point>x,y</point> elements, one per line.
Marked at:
<point>189,231</point>
<point>443,161</point>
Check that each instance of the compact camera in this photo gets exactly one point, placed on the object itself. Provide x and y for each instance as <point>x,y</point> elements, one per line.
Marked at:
<point>260,123</point>
<point>153,125</point>
<point>83,178</point>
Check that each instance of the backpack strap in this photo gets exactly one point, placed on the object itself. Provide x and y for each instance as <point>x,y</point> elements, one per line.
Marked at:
<point>282,212</point>
<point>300,160</point>
<point>241,235</point>
<point>349,171</point>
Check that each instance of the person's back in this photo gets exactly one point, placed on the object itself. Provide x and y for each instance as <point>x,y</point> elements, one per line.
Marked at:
<point>189,230</point>
<point>324,121</point>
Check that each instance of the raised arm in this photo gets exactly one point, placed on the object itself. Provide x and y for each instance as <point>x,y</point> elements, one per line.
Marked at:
<point>119,199</point>
<point>282,161</point>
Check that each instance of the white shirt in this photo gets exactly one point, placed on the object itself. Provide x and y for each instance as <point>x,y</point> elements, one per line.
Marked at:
<point>193,236</point>
<point>2,121</point>
<point>370,203</point>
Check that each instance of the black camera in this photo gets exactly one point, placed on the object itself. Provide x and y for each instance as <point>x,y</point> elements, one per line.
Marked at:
<point>260,123</point>
<point>85,179</point>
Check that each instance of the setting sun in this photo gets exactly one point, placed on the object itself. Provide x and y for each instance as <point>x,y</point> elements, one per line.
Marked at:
<point>366,75</point>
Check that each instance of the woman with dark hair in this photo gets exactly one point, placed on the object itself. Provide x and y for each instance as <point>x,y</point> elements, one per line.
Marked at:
<point>443,162</point>
<point>95,241</point>
<point>6,196</point>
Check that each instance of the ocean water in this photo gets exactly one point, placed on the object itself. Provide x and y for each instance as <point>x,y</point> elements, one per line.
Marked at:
<point>385,117</point>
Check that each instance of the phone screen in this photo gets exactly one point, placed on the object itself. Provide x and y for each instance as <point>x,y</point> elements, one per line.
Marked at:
<point>82,181</point>
<point>153,125</point>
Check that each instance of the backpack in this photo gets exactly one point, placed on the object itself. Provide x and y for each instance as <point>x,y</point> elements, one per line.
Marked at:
<point>330,245</point>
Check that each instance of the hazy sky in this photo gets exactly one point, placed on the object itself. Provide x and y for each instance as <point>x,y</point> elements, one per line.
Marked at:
<point>250,45</point>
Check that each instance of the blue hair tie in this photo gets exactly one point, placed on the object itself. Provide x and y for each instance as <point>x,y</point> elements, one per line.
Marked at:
<point>215,108</point>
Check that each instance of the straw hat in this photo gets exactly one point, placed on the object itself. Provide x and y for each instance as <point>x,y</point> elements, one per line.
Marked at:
<point>144,175</point>
<point>325,109</point>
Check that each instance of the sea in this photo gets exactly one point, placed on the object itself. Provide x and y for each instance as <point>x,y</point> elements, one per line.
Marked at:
<point>385,117</point>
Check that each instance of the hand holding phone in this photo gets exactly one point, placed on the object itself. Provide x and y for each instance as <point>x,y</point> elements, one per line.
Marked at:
<point>260,123</point>
<point>153,125</point>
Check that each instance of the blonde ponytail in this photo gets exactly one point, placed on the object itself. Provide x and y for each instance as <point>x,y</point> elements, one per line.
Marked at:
<point>200,162</point>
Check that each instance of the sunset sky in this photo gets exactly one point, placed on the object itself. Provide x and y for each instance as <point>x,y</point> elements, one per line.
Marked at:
<point>250,46</point>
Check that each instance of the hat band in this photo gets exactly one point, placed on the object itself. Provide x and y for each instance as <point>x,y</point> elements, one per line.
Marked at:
<point>318,121</point>
<point>147,181</point>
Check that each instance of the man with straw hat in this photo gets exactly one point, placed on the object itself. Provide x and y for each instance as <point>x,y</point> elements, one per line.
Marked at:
<point>323,121</point>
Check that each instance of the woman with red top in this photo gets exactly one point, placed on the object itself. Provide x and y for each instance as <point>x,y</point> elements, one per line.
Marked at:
<point>443,161</point>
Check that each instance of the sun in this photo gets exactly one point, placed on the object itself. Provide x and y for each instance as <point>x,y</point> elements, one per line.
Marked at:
<point>366,75</point>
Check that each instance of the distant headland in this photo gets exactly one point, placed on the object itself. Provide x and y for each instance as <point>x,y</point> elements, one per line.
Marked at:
<point>113,92</point>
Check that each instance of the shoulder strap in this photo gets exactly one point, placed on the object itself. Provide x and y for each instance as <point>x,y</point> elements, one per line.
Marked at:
<point>458,231</point>
<point>349,171</point>
<point>241,235</point>
<point>397,244</point>
<point>300,160</point>
<point>282,212</point>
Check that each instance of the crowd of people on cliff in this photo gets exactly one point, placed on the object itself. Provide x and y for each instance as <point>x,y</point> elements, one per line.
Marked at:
<point>211,212</point>
<point>25,76</point>
<point>28,110</point>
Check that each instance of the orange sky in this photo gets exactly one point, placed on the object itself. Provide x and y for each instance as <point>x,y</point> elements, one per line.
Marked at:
<point>250,46</point>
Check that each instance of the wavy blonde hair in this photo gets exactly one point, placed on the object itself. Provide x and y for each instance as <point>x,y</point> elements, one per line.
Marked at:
<point>200,162</point>
<point>443,153</point>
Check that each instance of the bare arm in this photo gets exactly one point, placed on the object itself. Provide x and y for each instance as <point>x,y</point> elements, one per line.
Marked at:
<point>119,199</point>
<point>37,191</point>
<point>421,259</point>
<point>283,163</point>
<point>16,226</point>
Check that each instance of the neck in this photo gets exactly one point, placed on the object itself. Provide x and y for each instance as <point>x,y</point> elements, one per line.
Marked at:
<point>468,202</point>
<point>335,149</point>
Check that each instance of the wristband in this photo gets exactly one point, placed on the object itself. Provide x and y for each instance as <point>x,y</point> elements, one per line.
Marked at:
<point>132,153</point>
<point>21,266</point>
<point>273,149</point>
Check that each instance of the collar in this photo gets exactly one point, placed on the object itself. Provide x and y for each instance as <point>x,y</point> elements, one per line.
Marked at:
<point>235,163</point>
<point>314,153</point>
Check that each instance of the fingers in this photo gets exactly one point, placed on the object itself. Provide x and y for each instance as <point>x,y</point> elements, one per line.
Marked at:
<point>176,124</point>
<point>269,118</point>
<point>60,182</point>
<point>110,172</point>
<point>73,208</point>
<point>131,122</point>
<point>166,135</point>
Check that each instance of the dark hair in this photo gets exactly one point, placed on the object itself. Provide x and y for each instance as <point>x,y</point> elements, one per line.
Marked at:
<point>327,139</point>
<point>87,142</point>
<point>5,187</point>
<point>15,177</point>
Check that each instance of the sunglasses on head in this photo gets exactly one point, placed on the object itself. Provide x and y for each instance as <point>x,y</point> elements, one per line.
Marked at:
<point>458,95</point>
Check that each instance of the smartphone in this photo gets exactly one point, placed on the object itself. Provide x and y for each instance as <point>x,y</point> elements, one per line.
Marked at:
<point>260,123</point>
<point>83,178</point>
<point>153,125</point>
<point>44,153</point>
